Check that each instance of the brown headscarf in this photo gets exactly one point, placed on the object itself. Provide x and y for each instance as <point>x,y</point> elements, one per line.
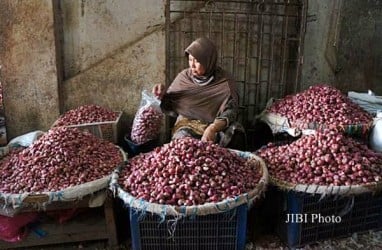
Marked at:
<point>196,101</point>
<point>204,50</point>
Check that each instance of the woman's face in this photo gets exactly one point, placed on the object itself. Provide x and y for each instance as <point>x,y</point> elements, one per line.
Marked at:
<point>196,67</point>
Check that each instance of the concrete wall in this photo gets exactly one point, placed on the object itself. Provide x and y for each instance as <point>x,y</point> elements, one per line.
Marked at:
<point>94,30</point>
<point>111,50</point>
<point>28,61</point>
<point>316,68</point>
<point>342,45</point>
<point>359,53</point>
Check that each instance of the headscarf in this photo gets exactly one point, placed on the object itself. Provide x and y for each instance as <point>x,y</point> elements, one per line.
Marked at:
<point>198,101</point>
<point>204,50</point>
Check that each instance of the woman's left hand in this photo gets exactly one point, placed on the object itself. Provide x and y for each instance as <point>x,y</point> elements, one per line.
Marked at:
<point>209,134</point>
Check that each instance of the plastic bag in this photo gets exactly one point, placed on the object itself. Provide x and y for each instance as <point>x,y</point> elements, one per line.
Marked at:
<point>14,229</point>
<point>148,119</point>
<point>27,139</point>
<point>376,133</point>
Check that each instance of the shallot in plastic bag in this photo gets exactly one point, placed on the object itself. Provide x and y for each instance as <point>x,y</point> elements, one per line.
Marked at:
<point>148,119</point>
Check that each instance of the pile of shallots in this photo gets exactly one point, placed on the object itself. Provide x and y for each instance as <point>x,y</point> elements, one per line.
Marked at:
<point>61,158</point>
<point>86,114</point>
<point>146,125</point>
<point>323,105</point>
<point>324,158</point>
<point>188,172</point>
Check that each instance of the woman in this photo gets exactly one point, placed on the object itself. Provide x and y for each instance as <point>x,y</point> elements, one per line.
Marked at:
<point>203,97</point>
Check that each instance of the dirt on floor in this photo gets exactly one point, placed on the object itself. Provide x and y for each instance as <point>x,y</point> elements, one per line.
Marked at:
<point>368,240</point>
<point>365,241</point>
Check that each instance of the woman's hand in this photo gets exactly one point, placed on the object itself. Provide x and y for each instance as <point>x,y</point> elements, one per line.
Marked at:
<point>158,91</point>
<point>210,133</point>
<point>215,127</point>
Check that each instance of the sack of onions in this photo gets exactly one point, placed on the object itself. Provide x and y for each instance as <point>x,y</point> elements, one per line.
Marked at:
<point>188,177</point>
<point>63,164</point>
<point>319,107</point>
<point>325,162</point>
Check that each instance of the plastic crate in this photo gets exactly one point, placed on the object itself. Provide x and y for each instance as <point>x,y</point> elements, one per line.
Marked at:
<point>109,130</point>
<point>223,231</point>
<point>316,219</point>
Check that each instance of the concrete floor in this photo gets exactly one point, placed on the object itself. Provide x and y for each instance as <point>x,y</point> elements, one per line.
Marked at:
<point>369,240</point>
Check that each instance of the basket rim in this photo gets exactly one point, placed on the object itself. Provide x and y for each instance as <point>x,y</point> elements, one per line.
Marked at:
<point>327,189</point>
<point>179,211</point>
<point>302,125</point>
<point>45,196</point>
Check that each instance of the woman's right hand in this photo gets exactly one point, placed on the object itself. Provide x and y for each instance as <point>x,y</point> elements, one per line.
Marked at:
<point>158,91</point>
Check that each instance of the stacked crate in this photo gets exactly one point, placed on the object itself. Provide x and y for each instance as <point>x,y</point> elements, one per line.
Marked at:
<point>305,218</point>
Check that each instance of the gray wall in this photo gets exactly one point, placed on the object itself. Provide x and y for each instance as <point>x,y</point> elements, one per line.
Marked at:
<point>111,51</point>
<point>343,45</point>
<point>316,68</point>
<point>28,65</point>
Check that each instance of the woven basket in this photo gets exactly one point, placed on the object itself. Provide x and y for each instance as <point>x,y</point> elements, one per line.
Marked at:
<point>11,204</point>
<point>205,209</point>
<point>327,190</point>
<point>280,124</point>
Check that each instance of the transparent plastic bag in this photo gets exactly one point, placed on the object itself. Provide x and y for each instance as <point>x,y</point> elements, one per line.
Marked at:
<point>375,138</point>
<point>148,119</point>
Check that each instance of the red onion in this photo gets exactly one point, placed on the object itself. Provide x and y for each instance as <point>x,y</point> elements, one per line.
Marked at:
<point>86,114</point>
<point>324,158</point>
<point>147,124</point>
<point>323,105</point>
<point>61,158</point>
<point>188,172</point>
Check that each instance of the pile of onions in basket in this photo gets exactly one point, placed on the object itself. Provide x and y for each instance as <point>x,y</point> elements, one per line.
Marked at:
<point>321,104</point>
<point>86,114</point>
<point>61,158</point>
<point>188,172</point>
<point>323,158</point>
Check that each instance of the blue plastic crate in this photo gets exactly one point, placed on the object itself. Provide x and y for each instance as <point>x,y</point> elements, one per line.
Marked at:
<point>312,218</point>
<point>223,231</point>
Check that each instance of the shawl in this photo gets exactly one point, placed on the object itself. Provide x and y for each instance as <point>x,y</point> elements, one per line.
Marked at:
<point>194,101</point>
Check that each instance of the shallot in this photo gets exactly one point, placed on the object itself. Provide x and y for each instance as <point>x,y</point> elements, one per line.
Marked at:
<point>322,105</point>
<point>61,158</point>
<point>188,171</point>
<point>147,124</point>
<point>86,114</point>
<point>324,158</point>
